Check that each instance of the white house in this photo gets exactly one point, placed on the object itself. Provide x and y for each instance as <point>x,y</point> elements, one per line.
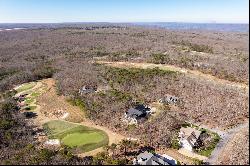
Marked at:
<point>188,137</point>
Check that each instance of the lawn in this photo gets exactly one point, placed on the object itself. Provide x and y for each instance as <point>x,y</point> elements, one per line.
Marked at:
<point>26,86</point>
<point>29,100</point>
<point>35,94</point>
<point>76,136</point>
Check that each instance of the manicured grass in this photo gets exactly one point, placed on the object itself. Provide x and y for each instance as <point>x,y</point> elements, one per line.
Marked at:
<point>56,126</point>
<point>35,94</point>
<point>77,139</point>
<point>76,136</point>
<point>26,86</point>
<point>29,100</point>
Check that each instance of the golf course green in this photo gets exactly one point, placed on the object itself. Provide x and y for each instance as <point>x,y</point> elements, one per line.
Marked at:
<point>76,136</point>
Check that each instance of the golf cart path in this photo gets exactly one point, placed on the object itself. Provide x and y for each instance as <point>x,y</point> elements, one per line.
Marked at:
<point>187,72</point>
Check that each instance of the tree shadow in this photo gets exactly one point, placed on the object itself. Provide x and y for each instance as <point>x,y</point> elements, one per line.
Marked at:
<point>30,115</point>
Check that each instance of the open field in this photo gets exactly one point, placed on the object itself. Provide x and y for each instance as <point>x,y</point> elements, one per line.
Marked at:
<point>76,136</point>
<point>50,109</point>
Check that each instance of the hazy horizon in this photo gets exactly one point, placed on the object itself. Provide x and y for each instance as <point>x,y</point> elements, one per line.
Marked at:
<point>121,11</point>
<point>123,22</point>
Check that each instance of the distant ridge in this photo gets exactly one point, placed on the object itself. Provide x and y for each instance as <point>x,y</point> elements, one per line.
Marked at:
<point>225,27</point>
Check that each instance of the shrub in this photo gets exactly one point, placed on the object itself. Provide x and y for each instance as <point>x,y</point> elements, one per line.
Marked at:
<point>196,47</point>
<point>6,124</point>
<point>198,162</point>
<point>186,61</point>
<point>160,58</point>
<point>43,71</point>
<point>118,75</point>
<point>175,144</point>
<point>186,125</point>
<point>45,154</point>
<point>5,73</point>
<point>120,96</point>
<point>77,102</point>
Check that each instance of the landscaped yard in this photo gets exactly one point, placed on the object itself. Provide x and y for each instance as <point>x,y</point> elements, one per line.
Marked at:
<point>76,136</point>
<point>208,149</point>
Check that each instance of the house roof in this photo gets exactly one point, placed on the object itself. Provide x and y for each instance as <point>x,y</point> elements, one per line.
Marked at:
<point>88,89</point>
<point>169,99</point>
<point>137,111</point>
<point>141,107</point>
<point>190,131</point>
<point>134,112</point>
<point>147,158</point>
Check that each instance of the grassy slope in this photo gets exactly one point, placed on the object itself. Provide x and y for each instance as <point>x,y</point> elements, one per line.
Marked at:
<point>26,86</point>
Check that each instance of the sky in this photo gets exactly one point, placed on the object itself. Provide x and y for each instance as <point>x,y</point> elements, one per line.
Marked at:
<point>54,11</point>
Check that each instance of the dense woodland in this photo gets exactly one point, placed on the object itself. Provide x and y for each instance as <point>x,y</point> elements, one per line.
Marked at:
<point>30,54</point>
<point>66,54</point>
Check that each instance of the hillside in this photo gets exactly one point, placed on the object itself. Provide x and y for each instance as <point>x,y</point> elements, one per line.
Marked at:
<point>207,71</point>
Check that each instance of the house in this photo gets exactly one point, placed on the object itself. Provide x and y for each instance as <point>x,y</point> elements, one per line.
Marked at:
<point>147,158</point>
<point>201,65</point>
<point>134,114</point>
<point>87,89</point>
<point>189,137</point>
<point>168,99</point>
<point>170,160</point>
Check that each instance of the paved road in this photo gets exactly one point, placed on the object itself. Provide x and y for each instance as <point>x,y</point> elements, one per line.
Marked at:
<point>225,137</point>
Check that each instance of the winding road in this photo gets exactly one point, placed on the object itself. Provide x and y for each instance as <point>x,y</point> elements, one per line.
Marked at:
<point>225,137</point>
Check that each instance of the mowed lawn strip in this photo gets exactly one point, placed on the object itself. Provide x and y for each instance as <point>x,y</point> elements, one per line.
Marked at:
<point>76,136</point>
<point>26,86</point>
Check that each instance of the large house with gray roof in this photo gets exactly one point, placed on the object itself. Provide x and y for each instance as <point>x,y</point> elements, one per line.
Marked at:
<point>147,158</point>
<point>134,114</point>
